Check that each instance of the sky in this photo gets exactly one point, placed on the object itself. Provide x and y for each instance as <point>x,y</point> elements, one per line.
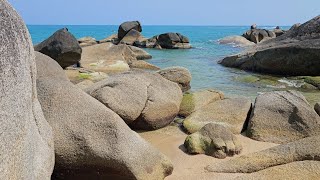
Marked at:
<point>166,12</point>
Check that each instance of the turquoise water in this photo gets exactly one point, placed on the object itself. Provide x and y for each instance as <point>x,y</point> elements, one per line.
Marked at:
<point>200,60</point>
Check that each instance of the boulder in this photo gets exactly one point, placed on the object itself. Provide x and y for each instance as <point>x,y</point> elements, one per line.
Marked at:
<point>317,108</point>
<point>125,27</point>
<point>295,170</point>
<point>253,26</point>
<point>87,41</point>
<point>168,41</point>
<point>281,117</point>
<point>84,84</point>
<point>132,37</point>
<point>179,75</point>
<point>108,57</point>
<point>194,101</point>
<point>26,140</point>
<point>258,35</point>
<point>173,41</point>
<point>63,47</point>
<point>301,150</point>
<point>144,100</point>
<point>213,140</point>
<point>295,53</point>
<point>315,81</point>
<point>278,31</point>
<point>232,113</point>
<point>143,65</point>
<point>238,41</point>
<point>91,141</point>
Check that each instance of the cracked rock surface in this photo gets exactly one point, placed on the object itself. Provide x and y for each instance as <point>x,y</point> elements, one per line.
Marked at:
<point>145,101</point>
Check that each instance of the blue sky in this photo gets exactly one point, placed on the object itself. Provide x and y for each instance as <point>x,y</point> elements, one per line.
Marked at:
<point>167,12</point>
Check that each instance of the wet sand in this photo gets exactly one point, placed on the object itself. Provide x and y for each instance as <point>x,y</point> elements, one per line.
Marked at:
<point>170,141</point>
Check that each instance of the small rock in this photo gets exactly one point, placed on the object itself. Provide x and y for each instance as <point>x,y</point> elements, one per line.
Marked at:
<point>213,140</point>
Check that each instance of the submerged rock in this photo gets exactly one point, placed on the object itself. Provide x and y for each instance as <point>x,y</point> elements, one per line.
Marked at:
<point>232,113</point>
<point>144,100</point>
<point>213,140</point>
<point>281,117</point>
<point>194,101</point>
<point>295,53</point>
<point>301,150</point>
<point>63,47</point>
<point>90,140</point>
<point>238,41</point>
<point>26,140</point>
<point>179,75</point>
<point>126,27</point>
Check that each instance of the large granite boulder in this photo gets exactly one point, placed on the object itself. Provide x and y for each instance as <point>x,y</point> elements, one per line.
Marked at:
<point>213,140</point>
<point>294,53</point>
<point>126,27</point>
<point>91,141</point>
<point>281,117</point>
<point>238,41</point>
<point>194,101</point>
<point>179,75</point>
<point>296,170</point>
<point>232,113</point>
<point>26,140</point>
<point>108,57</point>
<point>63,47</point>
<point>168,41</point>
<point>301,150</point>
<point>144,100</point>
<point>258,35</point>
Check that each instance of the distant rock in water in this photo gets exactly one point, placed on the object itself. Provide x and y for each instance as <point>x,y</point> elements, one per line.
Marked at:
<point>168,41</point>
<point>126,27</point>
<point>238,41</point>
<point>253,26</point>
<point>63,47</point>
<point>258,35</point>
<point>295,53</point>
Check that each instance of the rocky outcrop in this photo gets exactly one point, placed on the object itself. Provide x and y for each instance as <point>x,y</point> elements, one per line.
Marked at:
<point>179,75</point>
<point>113,39</point>
<point>144,100</point>
<point>301,150</point>
<point>63,47</point>
<point>168,41</point>
<point>232,113</point>
<point>213,140</point>
<point>281,117</point>
<point>295,170</point>
<point>238,41</point>
<point>26,140</point>
<point>278,31</point>
<point>87,41</point>
<point>294,53</point>
<point>91,141</point>
<point>126,27</point>
<point>107,57</point>
<point>259,35</point>
<point>194,101</point>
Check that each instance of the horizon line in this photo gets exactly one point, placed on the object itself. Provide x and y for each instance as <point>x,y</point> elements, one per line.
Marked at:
<point>147,25</point>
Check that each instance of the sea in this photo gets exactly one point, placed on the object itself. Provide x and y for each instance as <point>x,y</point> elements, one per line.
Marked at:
<point>201,60</point>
